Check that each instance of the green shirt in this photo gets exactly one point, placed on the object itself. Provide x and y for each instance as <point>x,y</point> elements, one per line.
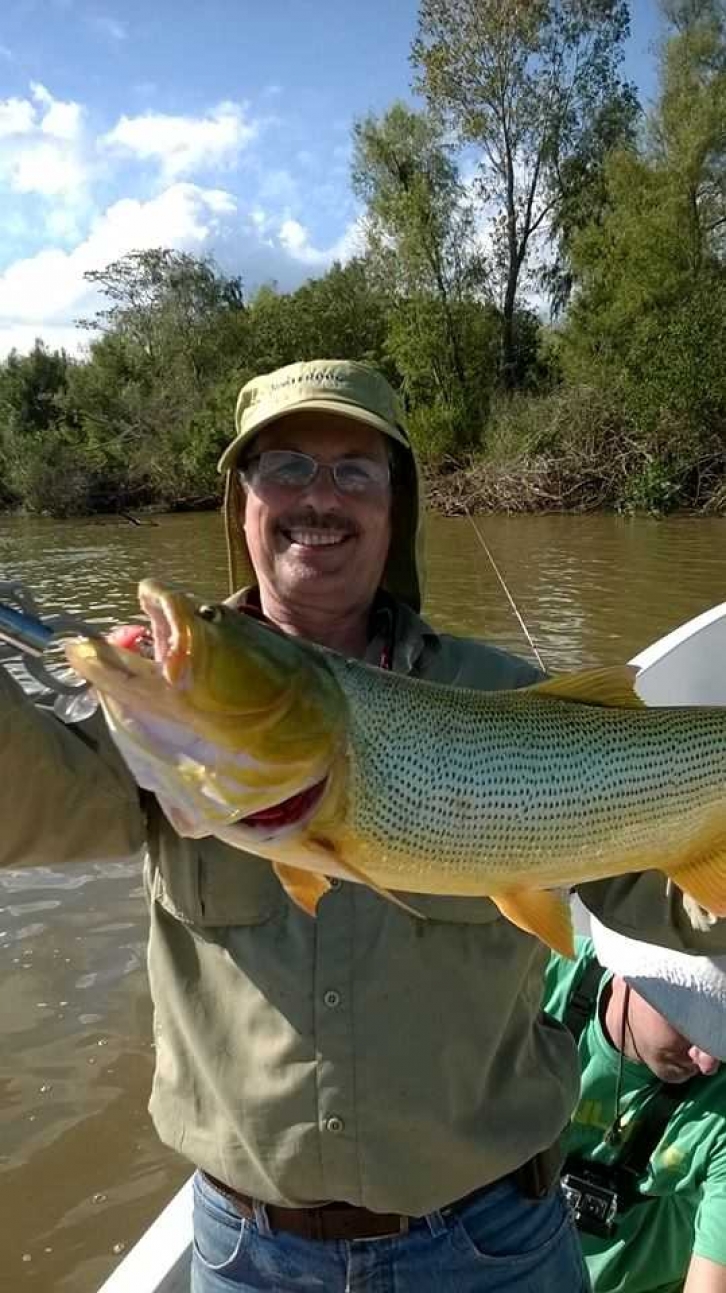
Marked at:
<point>685,1182</point>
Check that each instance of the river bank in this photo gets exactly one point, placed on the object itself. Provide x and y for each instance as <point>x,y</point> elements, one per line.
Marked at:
<point>456,487</point>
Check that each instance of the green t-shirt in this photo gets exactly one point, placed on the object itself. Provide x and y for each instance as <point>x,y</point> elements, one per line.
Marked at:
<point>686,1175</point>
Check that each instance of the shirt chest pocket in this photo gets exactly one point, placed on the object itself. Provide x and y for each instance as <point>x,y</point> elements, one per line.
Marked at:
<point>207,883</point>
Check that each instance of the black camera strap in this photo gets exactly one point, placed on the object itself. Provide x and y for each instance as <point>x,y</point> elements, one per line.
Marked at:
<point>580,1007</point>
<point>638,1147</point>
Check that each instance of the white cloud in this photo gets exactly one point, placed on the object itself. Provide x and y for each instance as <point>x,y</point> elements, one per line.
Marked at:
<point>41,146</point>
<point>295,239</point>
<point>182,145</point>
<point>17,117</point>
<point>22,337</point>
<point>62,119</point>
<point>51,285</point>
<point>46,169</point>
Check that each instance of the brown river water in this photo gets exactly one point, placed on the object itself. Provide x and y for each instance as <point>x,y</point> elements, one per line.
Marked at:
<point>81,1171</point>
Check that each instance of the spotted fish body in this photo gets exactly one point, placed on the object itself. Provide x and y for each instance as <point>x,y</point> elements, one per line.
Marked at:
<point>328,766</point>
<point>517,788</point>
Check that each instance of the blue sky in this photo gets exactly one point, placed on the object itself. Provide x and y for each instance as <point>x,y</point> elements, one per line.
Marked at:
<point>214,126</point>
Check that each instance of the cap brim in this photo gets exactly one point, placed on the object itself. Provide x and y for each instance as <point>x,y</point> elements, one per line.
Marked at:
<point>341,407</point>
<point>689,990</point>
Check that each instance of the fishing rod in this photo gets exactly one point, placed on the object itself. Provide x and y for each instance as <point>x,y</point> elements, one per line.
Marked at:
<point>500,577</point>
<point>23,627</point>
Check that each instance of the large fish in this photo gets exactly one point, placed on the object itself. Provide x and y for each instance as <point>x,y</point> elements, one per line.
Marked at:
<point>329,767</point>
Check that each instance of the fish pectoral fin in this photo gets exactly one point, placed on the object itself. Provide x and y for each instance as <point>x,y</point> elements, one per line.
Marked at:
<point>542,912</point>
<point>304,888</point>
<point>613,687</point>
<point>360,877</point>
<point>350,872</point>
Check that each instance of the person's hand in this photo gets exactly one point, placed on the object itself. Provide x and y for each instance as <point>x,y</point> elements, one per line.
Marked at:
<point>700,917</point>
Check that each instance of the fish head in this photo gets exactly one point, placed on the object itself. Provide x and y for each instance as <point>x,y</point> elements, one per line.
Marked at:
<point>230,719</point>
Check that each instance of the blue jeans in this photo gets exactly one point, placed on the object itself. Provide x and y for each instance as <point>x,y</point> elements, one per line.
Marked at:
<point>500,1242</point>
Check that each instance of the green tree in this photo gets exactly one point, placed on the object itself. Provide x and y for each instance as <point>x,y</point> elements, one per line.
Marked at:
<point>522,82</point>
<point>424,255</point>
<point>174,329</point>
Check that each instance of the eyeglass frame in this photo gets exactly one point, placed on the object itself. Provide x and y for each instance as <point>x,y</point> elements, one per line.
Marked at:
<point>378,488</point>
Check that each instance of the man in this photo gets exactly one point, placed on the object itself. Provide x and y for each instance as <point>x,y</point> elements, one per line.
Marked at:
<point>371,1103</point>
<point>646,1165</point>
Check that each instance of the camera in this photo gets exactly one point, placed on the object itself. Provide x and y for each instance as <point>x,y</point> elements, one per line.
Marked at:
<point>594,1193</point>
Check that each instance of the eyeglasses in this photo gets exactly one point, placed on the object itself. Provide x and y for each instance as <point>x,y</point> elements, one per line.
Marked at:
<point>293,471</point>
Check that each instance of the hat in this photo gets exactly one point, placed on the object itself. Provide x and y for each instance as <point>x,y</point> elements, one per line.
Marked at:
<point>688,990</point>
<point>351,390</point>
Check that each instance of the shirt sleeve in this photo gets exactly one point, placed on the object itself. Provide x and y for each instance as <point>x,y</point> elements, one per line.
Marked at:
<point>65,793</point>
<point>710,1233</point>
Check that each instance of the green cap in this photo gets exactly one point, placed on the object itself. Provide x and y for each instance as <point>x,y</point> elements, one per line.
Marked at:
<point>328,385</point>
<point>353,390</point>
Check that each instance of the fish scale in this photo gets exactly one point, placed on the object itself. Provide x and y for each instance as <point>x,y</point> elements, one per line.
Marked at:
<point>566,769</point>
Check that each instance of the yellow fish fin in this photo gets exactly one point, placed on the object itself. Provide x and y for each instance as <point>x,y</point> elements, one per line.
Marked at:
<point>542,912</point>
<point>360,877</point>
<point>608,687</point>
<point>305,888</point>
<point>703,876</point>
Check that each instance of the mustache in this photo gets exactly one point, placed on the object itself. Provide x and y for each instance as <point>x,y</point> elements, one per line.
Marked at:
<point>306,518</point>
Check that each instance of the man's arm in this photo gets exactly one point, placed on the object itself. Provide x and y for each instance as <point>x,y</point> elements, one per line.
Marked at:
<point>705,1276</point>
<point>65,794</point>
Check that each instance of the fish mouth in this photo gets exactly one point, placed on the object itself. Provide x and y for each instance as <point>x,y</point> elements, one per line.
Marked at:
<point>291,812</point>
<point>169,632</point>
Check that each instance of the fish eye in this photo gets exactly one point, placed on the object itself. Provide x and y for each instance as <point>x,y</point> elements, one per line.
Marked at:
<point>211,613</point>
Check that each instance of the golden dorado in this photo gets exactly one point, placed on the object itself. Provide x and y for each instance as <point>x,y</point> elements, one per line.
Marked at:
<point>330,767</point>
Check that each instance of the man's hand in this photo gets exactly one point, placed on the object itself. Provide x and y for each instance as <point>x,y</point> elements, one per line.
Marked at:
<point>705,1276</point>
<point>700,917</point>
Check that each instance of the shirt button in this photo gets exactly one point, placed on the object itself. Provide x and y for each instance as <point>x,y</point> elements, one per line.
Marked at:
<point>335,1124</point>
<point>332,998</point>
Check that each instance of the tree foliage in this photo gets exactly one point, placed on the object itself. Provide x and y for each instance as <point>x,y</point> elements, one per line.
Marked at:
<point>622,402</point>
<point>520,82</point>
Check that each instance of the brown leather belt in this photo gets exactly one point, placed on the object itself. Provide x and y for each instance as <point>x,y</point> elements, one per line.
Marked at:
<point>344,1221</point>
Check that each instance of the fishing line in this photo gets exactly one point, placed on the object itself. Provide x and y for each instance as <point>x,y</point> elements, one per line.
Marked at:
<point>511,600</point>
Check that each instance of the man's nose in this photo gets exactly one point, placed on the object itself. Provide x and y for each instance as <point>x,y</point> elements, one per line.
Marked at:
<point>705,1063</point>
<point>322,489</point>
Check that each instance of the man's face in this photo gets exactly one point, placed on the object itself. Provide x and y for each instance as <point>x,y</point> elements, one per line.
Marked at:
<point>319,546</point>
<point>669,1055</point>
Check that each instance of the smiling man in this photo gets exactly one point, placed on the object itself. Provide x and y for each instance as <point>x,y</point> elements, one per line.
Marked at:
<point>311,519</point>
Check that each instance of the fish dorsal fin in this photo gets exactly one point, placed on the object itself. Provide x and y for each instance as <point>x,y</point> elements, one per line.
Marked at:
<point>613,687</point>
